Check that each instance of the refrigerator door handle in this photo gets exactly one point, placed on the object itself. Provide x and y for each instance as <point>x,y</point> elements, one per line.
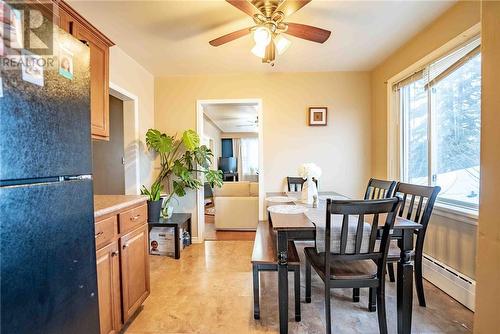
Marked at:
<point>75,178</point>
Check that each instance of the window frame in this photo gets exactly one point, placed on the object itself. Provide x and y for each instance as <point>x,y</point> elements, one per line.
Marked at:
<point>394,120</point>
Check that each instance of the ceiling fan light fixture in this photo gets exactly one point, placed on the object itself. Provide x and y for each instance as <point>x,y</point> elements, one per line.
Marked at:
<point>282,44</point>
<point>262,36</point>
<point>259,50</point>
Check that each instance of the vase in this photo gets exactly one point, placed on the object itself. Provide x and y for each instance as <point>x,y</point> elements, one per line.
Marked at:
<point>154,209</point>
<point>167,212</point>
<point>309,190</point>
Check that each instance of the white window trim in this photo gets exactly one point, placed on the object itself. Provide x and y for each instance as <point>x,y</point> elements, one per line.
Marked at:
<point>394,129</point>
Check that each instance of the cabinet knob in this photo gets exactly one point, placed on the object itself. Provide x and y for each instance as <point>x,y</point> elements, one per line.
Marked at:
<point>99,234</point>
<point>135,217</point>
<point>125,246</point>
<point>115,253</point>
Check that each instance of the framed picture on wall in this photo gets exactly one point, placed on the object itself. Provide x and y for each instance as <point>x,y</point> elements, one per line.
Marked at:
<point>317,116</point>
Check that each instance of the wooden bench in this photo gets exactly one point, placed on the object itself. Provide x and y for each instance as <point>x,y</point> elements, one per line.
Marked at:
<point>264,258</point>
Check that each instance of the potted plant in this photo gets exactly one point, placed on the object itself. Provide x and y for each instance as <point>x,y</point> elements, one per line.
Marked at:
<point>154,200</point>
<point>183,161</point>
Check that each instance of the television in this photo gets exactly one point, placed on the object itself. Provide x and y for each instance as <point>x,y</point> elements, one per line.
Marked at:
<point>227,165</point>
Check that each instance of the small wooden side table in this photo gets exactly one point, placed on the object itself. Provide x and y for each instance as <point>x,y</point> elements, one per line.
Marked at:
<point>177,221</point>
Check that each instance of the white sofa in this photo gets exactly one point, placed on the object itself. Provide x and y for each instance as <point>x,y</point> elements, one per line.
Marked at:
<point>237,206</point>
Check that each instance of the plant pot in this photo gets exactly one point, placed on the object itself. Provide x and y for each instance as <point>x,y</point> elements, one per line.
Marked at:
<point>154,208</point>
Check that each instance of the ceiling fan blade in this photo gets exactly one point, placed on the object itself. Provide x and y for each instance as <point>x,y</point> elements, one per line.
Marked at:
<point>245,7</point>
<point>310,33</point>
<point>230,37</point>
<point>288,7</point>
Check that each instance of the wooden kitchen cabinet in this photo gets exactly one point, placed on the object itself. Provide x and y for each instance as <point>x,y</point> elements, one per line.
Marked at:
<point>122,252</point>
<point>76,25</point>
<point>108,282</point>
<point>135,270</point>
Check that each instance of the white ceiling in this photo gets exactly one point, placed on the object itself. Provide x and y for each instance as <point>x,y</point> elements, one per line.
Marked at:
<point>233,117</point>
<point>171,37</point>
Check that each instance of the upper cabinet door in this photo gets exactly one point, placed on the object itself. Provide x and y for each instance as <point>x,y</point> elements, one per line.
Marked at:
<point>99,82</point>
<point>73,23</point>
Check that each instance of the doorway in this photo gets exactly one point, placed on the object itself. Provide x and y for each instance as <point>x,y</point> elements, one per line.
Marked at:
<point>108,156</point>
<point>234,130</point>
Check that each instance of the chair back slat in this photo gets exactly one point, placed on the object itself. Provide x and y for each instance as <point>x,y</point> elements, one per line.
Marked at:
<point>379,189</point>
<point>402,208</point>
<point>295,183</point>
<point>419,209</point>
<point>359,233</point>
<point>357,237</point>
<point>410,207</point>
<point>373,233</point>
<point>343,237</point>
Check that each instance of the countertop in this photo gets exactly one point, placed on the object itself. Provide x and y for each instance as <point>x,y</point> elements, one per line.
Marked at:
<point>104,204</point>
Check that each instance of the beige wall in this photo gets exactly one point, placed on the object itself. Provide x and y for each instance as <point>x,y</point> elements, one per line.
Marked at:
<point>487,317</point>
<point>212,131</point>
<point>288,140</point>
<point>449,239</point>
<point>127,74</point>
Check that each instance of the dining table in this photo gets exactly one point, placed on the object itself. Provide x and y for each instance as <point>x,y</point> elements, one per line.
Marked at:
<point>302,227</point>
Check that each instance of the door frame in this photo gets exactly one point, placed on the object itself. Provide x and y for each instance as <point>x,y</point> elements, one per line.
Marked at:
<point>130,104</point>
<point>200,199</point>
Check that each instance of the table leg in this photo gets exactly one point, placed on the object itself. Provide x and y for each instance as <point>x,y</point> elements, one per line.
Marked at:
<point>283,281</point>
<point>405,283</point>
<point>176,243</point>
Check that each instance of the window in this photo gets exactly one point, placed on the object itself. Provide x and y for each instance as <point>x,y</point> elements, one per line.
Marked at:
<point>250,156</point>
<point>440,126</point>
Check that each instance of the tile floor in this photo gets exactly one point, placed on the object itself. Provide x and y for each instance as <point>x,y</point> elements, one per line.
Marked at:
<point>210,291</point>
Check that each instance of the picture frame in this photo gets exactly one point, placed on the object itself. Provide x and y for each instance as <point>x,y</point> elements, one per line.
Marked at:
<point>317,116</point>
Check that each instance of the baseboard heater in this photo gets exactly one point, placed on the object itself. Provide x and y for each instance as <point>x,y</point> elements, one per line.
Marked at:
<point>455,284</point>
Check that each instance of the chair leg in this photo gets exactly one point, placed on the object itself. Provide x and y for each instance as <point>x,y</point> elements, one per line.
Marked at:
<point>372,301</point>
<point>382,320</point>
<point>296,282</point>
<point>390,271</point>
<point>355,295</point>
<point>419,284</point>
<point>328,314</point>
<point>256,307</point>
<point>308,281</point>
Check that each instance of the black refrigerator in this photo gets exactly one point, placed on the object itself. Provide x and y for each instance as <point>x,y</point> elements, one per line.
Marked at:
<point>47,250</point>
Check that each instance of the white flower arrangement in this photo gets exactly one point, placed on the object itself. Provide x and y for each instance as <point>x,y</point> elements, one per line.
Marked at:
<point>309,170</point>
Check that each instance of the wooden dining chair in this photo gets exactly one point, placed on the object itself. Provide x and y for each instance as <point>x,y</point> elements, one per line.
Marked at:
<point>417,203</point>
<point>354,262</point>
<point>295,183</point>
<point>378,189</point>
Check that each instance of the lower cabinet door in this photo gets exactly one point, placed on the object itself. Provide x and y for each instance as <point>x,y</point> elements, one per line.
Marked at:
<point>135,270</point>
<point>108,285</point>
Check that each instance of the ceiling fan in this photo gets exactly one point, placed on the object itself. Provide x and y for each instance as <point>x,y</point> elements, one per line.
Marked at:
<point>249,123</point>
<point>269,17</point>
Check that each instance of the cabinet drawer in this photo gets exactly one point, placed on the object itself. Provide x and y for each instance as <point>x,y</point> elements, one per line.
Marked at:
<point>105,231</point>
<point>133,218</point>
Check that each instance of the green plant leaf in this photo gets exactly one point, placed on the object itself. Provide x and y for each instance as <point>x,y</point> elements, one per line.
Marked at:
<point>203,156</point>
<point>159,142</point>
<point>179,188</point>
<point>154,193</point>
<point>214,177</point>
<point>190,139</point>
